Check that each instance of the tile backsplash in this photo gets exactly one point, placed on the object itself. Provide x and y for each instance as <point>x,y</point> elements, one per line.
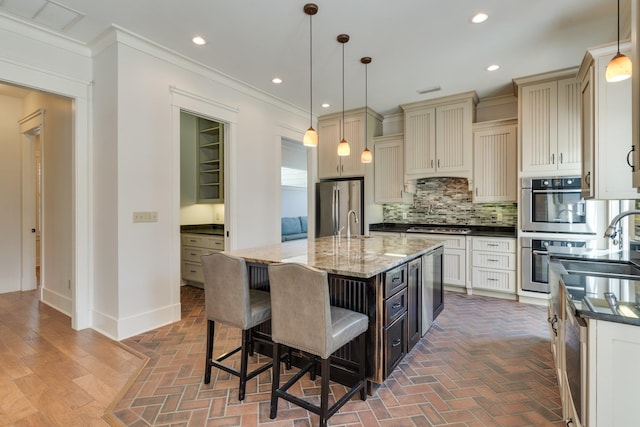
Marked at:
<point>449,201</point>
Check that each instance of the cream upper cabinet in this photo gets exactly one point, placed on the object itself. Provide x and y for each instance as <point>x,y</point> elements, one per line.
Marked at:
<point>494,161</point>
<point>607,144</point>
<point>330,165</point>
<point>438,136</point>
<point>549,117</point>
<point>388,158</point>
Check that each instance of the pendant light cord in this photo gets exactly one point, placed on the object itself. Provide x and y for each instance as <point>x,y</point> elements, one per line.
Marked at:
<point>310,71</point>
<point>366,105</point>
<point>343,91</point>
<point>618,26</point>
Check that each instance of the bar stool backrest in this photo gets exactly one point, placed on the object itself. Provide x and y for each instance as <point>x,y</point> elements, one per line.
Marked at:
<point>300,308</point>
<point>226,289</point>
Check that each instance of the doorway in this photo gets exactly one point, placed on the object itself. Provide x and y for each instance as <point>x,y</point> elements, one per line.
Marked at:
<point>32,260</point>
<point>293,189</point>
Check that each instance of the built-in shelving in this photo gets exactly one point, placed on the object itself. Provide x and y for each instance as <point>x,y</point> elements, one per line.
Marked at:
<point>210,161</point>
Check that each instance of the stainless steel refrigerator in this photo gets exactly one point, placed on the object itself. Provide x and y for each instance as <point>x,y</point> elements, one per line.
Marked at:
<point>334,199</point>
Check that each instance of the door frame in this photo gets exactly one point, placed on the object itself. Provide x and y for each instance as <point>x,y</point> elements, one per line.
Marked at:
<point>31,127</point>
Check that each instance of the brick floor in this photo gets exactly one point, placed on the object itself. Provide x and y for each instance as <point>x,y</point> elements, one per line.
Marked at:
<point>485,362</point>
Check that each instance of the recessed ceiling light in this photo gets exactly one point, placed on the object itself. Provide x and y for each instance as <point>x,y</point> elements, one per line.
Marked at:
<point>493,67</point>
<point>199,40</point>
<point>326,105</point>
<point>479,18</point>
<point>277,80</point>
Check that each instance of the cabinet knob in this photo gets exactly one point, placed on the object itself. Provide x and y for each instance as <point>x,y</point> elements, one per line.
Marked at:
<point>396,343</point>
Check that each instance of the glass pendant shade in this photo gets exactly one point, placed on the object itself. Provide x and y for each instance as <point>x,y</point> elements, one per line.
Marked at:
<point>310,138</point>
<point>343,148</point>
<point>366,156</point>
<point>619,68</point>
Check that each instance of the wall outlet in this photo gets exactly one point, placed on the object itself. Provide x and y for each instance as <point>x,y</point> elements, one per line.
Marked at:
<point>145,216</point>
<point>499,216</point>
<point>404,215</point>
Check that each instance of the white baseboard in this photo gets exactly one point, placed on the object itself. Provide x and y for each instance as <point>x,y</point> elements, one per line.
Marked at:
<point>142,322</point>
<point>57,301</point>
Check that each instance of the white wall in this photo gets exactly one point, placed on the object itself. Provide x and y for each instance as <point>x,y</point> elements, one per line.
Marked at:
<point>10,208</point>
<point>140,167</point>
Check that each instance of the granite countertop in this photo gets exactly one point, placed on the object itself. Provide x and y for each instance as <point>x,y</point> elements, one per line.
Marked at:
<point>586,293</point>
<point>468,230</point>
<point>355,257</point>
<point>210,229</point>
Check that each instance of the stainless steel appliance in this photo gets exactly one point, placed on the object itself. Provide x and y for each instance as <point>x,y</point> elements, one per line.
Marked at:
<point>535,265</point>
<point>575,353</point>
<point>555,205</point>
<point>334,200</point>
<point>432,287</point>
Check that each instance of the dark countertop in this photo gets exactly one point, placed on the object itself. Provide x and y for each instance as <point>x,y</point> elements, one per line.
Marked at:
<point>587,292</point>
<point>210,229</point>
<point>476,230</point>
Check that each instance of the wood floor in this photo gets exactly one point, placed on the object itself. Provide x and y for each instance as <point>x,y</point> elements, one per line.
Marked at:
<point>51,375</point>
<point>486,362</point>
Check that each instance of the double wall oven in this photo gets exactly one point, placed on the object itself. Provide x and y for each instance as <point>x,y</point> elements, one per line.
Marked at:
<point>554,214</point>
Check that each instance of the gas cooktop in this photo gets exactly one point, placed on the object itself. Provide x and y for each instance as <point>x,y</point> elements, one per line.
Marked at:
<point>439,230</point>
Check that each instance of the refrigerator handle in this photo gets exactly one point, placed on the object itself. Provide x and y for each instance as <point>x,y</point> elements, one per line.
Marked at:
<point>337,211</point>
<point>334,203</point>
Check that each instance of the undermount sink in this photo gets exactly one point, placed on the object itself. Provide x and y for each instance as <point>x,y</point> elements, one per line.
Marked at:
<point>602,268</point>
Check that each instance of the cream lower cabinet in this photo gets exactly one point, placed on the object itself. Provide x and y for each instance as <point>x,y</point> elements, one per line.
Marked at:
<point>193,247</point>
<point>454,262</point>
<point>607,144</point>
<point>494,161</point>
<point>494,264</point>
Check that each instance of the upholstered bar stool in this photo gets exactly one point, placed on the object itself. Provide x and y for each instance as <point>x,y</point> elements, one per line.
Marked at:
<point>302,318</point>
<point>229,300</point>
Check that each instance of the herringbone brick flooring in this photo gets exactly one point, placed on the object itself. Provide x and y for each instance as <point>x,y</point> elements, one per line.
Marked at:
<point>486,362</point>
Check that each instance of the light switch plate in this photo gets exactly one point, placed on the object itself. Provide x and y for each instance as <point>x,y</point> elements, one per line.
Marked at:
<point>145,216</point>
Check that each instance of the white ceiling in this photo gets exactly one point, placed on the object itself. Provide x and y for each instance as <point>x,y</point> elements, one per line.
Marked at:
<point>415,44</point>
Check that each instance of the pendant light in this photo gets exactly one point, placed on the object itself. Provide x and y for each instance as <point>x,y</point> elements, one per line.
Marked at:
<point>310,136</point>
<point>366,156</point>
<point>343,147</point>
<point>619,68</point>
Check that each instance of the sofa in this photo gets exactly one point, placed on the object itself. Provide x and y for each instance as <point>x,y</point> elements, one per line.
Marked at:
<point>294,228</point>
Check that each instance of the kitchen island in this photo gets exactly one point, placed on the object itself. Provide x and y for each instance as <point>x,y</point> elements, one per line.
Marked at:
<point>396,282</point>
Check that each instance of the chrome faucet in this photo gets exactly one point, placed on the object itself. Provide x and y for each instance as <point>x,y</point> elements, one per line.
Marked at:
<point>613,229</point>
<point>356,220</point>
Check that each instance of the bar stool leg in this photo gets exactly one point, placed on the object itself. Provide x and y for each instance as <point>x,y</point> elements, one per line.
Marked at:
<point>275,381</point>
<point>209,353</point>
<point>246,343</point>
<point>325,372</point>
<point>362,368</point>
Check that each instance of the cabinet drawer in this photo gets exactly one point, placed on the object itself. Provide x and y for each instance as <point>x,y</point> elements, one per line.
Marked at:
<point>394,280</point>
<point>499,260</point>
<point>395,306</point>
<point>395,338</point>
<point>449,241</point>
<point>191,271</point>
<point>215,243</point>
<point>193,240</point>
<point>494,280</point>
<point>494,244</point>
<point>193,254</point>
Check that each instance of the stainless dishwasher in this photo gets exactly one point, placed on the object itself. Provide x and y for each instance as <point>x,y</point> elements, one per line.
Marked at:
<point>432,287</point>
